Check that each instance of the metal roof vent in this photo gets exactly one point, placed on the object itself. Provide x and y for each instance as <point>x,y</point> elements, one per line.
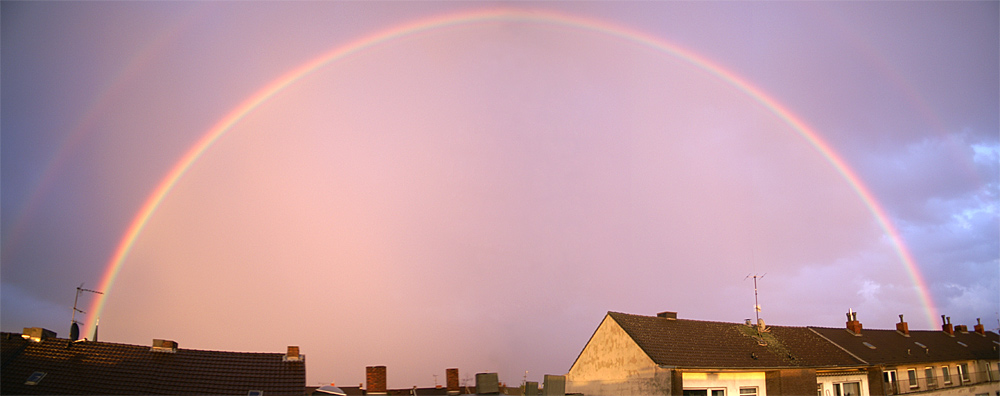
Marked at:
<point>167,346</point>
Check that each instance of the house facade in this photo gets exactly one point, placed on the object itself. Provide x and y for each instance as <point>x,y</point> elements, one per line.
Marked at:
<point>663,355</point>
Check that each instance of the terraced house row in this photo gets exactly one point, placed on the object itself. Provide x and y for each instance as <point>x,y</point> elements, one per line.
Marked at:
<point>627,355</point>
<point>663,355</point>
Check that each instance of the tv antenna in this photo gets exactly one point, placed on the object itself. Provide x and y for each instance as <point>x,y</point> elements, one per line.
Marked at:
<point>74,329</point>
<point>756,305</point>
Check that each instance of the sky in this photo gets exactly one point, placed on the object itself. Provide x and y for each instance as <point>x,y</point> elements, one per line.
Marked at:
<point>426,185</point>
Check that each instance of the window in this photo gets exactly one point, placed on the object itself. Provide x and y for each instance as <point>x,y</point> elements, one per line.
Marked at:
<point>869,345</point>
<point>819,389</point>
<point>912,376</point>
<point>748,391</point>
<point>946,374</point>
<point>704,392</point>
<point>847,389</point>
<point>963,372</point>
<point>929,376</point>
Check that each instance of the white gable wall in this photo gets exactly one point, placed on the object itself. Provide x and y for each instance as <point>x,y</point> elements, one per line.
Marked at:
<point>613,364</point>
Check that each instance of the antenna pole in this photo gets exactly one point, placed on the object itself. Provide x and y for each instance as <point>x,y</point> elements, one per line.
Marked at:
<point>76,300</point>
<point>756,304</point>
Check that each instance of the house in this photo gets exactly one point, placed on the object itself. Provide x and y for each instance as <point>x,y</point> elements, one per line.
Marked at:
<point>663,355</point>
<point>952,360</point>
<point>37,362</point>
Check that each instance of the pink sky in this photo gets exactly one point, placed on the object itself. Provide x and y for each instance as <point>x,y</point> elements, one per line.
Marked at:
<point>479,195</point>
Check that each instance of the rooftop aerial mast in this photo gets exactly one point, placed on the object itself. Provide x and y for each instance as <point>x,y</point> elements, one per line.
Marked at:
<point>74,329</point>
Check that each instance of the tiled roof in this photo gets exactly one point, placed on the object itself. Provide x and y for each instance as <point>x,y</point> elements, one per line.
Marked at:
<point>699,344</point>
<point>89,367</point>
<point>891,347</point>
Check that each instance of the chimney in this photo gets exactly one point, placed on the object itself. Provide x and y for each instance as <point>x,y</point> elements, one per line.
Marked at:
<point>167,346</point>
<point>667,315</point>
<point>946,326</point>
<point>964,329</point>
<point>293,354</point>
<point>902,327</point>
<point>487,384</point>
<point>375,380</point>
<point>451,378</point>
<point>554,385</point>
<point>979,327</point>
<point>37,334</point>
<point>852,323</point>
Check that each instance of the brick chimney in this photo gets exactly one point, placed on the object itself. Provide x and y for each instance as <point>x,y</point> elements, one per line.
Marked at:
<point>293,354</point>
<point>964,329</point>
<point>946,326</point>
<point>852,322</point>
<point>451,377</point>
<point>979,327</point>
<point>375,380</point>
<point>902,327</point>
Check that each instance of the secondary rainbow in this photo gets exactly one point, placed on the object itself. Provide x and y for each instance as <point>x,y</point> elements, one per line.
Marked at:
<point>479,16</point>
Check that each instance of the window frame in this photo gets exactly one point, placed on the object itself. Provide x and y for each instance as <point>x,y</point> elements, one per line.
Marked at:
<point>756,391</point>
<point>911,375</point>
<point>946,374</point>
<point>963,372</point>
<point>929,377</point>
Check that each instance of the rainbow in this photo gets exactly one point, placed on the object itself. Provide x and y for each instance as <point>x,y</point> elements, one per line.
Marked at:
<point>497,15</point>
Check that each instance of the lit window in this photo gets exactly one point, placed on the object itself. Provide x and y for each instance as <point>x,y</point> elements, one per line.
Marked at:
<point>748,391</point>
<point>912,376</point>
<point>946,373</point>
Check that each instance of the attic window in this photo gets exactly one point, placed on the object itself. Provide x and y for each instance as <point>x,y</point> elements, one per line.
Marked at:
<point>869,345</point>
<point>255,393</point>
<point>35,378</point>
<point>920,345</point>
<point>962,344</point>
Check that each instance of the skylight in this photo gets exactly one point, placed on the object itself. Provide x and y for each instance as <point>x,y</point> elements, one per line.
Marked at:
<point>962,344</point>
<point>35,378</point>
<point>868,344</point>
<point>920,345</point>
